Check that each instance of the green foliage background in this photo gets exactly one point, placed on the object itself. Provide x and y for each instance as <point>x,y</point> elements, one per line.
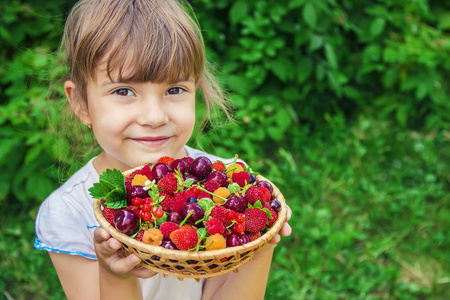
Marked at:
<point>343,104</point>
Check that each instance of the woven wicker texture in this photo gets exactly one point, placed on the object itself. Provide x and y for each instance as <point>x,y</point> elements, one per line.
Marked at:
<point>192,264</point>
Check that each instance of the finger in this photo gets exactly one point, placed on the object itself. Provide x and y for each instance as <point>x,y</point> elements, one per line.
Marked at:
<point>142,273</point>
<point>101,235</point>
<point>286,230</point>
<point>123,265</point>
<point>275,239</point>
<point>289,213</point>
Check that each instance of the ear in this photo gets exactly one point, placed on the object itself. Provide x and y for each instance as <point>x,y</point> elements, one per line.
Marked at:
<point>78,105</point>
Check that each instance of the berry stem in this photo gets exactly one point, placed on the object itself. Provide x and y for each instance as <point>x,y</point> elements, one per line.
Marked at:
<point>212,194</point>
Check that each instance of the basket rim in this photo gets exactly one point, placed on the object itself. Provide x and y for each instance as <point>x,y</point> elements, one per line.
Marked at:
<point>194,255</point>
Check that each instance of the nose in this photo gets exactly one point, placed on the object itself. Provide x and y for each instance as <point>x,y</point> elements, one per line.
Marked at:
<point>152,111</point>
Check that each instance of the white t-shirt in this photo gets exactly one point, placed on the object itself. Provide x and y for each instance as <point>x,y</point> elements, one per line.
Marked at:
<point>66,222</point>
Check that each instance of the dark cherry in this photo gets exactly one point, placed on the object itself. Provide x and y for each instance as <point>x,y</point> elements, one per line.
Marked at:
<point>136,191</point>
<point>126,221</point>
<point>276,205</point>
<point>220,177</point>
<point>252,178</point>
<point>160,170</point>
<point>174,217</point>
<point>180,164</point>
<point>244,238</point>
<point>186,176</point>
<point>236,203</point>
<point>192,200</point>
<point>168,245</point>
<point>201,167</point>
<point>233,240</point>
<point>197,212</point>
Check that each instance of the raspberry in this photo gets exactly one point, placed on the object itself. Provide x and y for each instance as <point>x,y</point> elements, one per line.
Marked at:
<point>140,235</point>
<point>189,193</point>
<point>167,228</point>
<point>220,213</point>
<point>211,185</point>
<point>177,202</point>
<point>147,171</point>
<point>214,226</point>
<point>204,194</point>
<point>241,178</point>
<point>254,236</point>
<point>266,193</point>
<point>165,204</point>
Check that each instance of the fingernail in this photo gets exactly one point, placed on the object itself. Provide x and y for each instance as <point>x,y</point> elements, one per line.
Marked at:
<point>135,259</point>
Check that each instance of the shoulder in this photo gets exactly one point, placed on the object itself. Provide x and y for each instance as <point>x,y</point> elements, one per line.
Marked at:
<point>66,216</point>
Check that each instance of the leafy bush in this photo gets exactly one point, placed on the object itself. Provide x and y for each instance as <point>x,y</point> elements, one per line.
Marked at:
<point>342,103</point>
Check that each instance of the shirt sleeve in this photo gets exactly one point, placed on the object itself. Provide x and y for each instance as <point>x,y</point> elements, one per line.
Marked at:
<point>62,227</point>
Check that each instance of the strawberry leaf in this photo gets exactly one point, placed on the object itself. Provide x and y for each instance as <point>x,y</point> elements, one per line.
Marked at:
<point>115,199</point>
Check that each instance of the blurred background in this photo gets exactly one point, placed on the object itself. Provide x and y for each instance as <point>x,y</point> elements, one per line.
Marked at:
<point>343,104</point>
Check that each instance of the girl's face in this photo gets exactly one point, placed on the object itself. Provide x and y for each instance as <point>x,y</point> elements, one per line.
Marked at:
<point>137,123</point>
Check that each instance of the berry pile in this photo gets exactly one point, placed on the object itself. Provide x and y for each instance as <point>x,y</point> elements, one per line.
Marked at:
<point>188,204</point>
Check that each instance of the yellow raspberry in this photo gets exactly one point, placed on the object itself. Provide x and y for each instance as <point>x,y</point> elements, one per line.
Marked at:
<point>221,192</point>
<point>139,179</point>
<point>153,236</point>
<point>233,168</point>
<point>217,242</point>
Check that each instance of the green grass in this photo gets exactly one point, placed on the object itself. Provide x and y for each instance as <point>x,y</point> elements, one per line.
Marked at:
<point>370,219</point>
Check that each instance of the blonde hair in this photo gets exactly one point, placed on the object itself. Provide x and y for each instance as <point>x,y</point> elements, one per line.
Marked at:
<point>143,41</point>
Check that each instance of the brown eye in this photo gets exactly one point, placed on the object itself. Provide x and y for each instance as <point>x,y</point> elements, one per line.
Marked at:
<point>175,91</point>
<point>124,92</point>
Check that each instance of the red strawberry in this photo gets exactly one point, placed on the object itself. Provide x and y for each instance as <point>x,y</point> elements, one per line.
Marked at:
<point>167,228</point>
<point>254,194</point>
<point>168,184</point>
<point>218,166</point>
<point>241,164</point>
<point>214,226</point>
<point>109,214</point>
<point>220,213</point>
<point>166,159</point>
<point>211,185</point>
<point>241,178</point>
<point>165,204</point>
<point>272,212</point>
<point>184,238</point>
<point>177,202</point>
<point>255,219</point>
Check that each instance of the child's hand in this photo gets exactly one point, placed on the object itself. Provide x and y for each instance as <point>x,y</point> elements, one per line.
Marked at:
<point>113,259</point>
<point>286,230</point>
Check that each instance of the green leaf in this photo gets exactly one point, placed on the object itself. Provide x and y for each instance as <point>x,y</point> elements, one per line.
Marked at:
<point>331,56</point>
<point>283,68</point>
<point>115,199</point>
<point>114,177</point>
<point>99,191</point>
<point>377,27</point>
<point>238,11</point>
<point>309,15</point>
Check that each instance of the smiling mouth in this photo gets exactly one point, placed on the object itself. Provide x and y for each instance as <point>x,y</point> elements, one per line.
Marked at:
<point>152,141</point>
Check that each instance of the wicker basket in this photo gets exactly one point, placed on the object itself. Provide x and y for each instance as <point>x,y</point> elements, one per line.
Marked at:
<point>192,264</point>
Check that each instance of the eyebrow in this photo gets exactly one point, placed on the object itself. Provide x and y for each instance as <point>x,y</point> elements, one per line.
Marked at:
<point>108,82</point>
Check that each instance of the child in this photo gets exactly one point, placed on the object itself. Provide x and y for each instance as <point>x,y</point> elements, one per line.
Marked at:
<point>134,69</point>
